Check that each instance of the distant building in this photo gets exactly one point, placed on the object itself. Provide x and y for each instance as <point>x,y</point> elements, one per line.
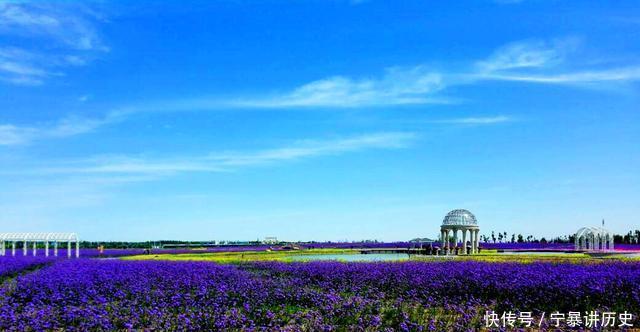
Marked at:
<point>270,240</point>
<point>422,240</point>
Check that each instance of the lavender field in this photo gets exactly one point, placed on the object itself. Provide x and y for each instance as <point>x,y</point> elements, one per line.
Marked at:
<point>108,294</point>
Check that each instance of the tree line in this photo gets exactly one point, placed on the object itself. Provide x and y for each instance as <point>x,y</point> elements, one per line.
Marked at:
<point>631,237</point>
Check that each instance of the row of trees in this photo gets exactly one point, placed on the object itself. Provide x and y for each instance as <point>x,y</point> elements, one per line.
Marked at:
<point>503,237</point>
<point>632,237</point>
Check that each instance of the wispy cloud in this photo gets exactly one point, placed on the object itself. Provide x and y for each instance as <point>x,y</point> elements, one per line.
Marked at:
<point>530,61</point>
<point>13,135</point>
<point>548,62</point>
<point>477,120</point>
<point>527,54</point>
<point>69,23</point>
<point>620,75</point>
<point>398,86</point>
<point>68,27</point>
<point>230,161</point>
<point>20,67</point>
<point>69,126</point>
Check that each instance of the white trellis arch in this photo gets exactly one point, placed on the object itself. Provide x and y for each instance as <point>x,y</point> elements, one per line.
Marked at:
<point>35,238</point>
<point>593,238</point>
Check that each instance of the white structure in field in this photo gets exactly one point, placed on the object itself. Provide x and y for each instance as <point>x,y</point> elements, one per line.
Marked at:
<point>593,238</point>
<point>12,239</point>
<point>270,240</point>
<point>464,221</point>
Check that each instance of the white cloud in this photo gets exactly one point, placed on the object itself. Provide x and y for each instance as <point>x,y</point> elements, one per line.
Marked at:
<point>626,74</point>
<point>531,61</point>
<point>12,135</point>
<point>15,14</point>
<point>67,27</point>
<point>398,86</point>
<point>19,67</point>
<point>69,126</point>
<point>527,54</point>
<point>230,161</point>
<point>68,23</point>
<point>477,120</point>
<point>548,62</point>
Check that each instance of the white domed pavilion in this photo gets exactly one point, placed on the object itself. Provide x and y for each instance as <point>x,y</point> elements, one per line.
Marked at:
<point>463,221</point>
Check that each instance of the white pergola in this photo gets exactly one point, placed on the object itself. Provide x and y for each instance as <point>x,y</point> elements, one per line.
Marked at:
<point>35,238</point>
<point>593,238</point>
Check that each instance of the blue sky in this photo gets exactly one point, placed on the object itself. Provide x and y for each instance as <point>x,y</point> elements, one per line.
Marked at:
<point>317,120</point>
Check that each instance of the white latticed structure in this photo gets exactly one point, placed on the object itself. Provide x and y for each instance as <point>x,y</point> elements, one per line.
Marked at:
<point>593,238</point>
<point>35,238</point>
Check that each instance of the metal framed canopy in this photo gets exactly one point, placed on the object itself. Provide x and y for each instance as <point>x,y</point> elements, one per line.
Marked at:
<point>39,237</point>
<point>36,238</point>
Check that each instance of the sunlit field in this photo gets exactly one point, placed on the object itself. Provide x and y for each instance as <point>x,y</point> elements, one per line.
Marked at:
<point>248,290</point>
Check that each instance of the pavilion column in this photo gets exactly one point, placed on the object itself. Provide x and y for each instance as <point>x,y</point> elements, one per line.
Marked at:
<point>24,248</point>
<point>444,242</point>
<point>587,242</point>
<point>455,241</point>
<point>13,248</point>
<point>464,242</point>
<point>69,249</point>
<point>2,249</point>
<point>55,248</point>
<point>77,248</point>
<point>475,240</point>
<point>474,248</point>
<point>34,247</point>
<point>448,241</point>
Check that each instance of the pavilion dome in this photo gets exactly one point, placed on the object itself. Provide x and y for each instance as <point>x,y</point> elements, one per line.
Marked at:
<point>460,217</point>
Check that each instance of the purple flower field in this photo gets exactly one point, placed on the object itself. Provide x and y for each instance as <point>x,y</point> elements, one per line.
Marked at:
<point>10,266</point>
<point>94,294</point>
<point>92,252</point>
